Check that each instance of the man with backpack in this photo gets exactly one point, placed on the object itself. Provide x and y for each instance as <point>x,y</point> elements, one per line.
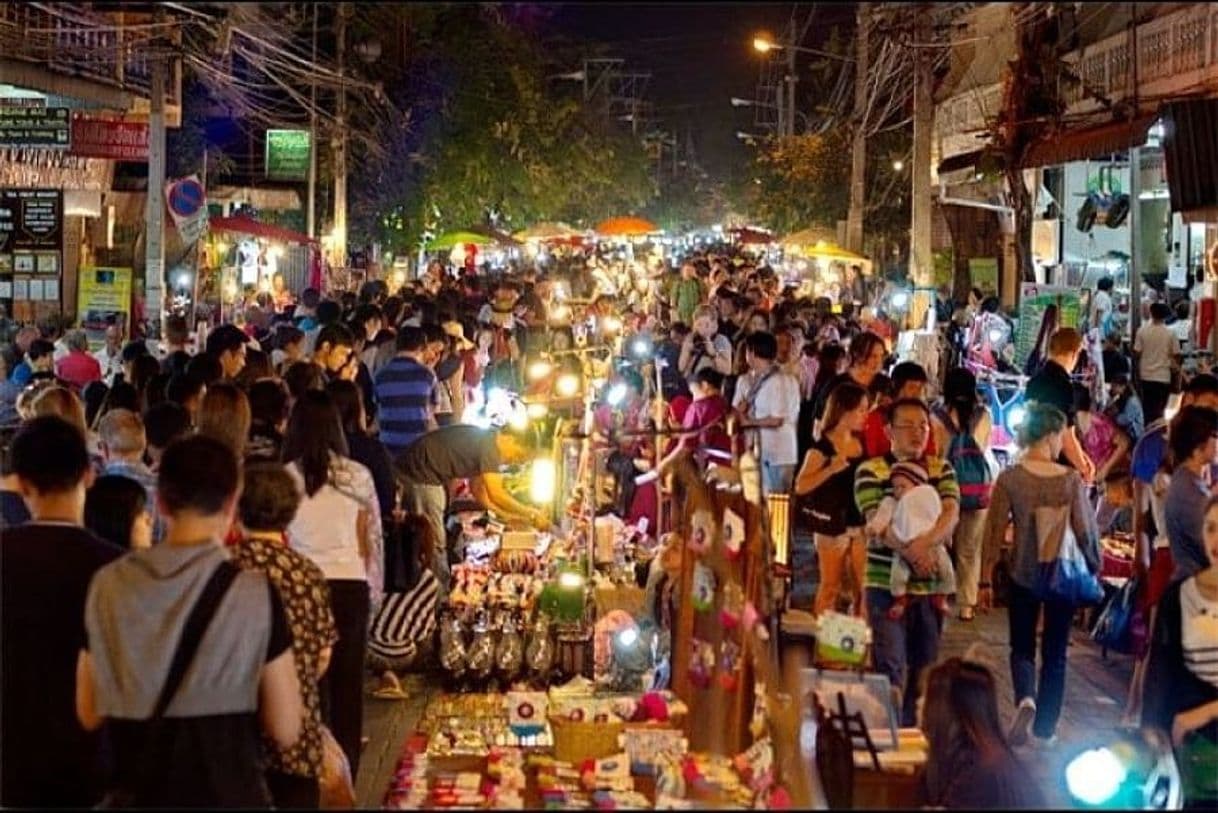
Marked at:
<point>961,426</point>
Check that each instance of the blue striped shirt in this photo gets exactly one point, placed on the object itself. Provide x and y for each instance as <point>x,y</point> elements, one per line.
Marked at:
<point>405,392</point>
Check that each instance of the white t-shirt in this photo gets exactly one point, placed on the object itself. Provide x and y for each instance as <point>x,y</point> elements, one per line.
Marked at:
<point>778,398</point>
<point>1158,345</point>
<point>1101,306</point>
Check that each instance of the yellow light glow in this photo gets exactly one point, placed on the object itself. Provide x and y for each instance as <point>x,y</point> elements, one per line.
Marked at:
<point>612,324</point>
<point>539,370</point>
<point>538,411</point>
<point>276,252</point>
<point>567,385</point>
<point>543,481</point>
<point>518,420</point>
<point>762,44</point>
<point>560,313</point>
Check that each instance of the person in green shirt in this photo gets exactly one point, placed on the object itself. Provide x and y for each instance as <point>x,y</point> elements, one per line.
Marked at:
<point>687,293</point>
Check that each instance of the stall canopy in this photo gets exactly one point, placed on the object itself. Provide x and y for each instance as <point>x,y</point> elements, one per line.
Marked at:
<point>823,250</point>
<point>626,227</point>
<point>810,236</point>
<point>750,236</point>
<point>1093,142</point>
<point>460,238</point>
<point>548,232</point>
<point>267,231</point>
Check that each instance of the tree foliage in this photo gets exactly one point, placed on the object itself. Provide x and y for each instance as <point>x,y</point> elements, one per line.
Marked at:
<point>491,141</point>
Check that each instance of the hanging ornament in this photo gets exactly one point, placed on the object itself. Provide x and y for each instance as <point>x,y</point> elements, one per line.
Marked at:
<point>729,666</point>
<point>701,663</point>
<point>703,593</point>
<point>733,606</point>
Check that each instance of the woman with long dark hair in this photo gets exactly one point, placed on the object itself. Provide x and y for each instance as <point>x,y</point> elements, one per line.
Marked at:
<point>956,418</point>
<point>969,764</point>
<point>338,526</point>
<point>824,491</point>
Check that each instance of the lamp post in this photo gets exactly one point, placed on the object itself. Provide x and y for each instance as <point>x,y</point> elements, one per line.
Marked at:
<point>763,43</point>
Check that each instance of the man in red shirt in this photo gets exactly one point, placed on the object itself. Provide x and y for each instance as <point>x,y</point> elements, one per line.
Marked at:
<point>908,381</point>
<point>78,367</point>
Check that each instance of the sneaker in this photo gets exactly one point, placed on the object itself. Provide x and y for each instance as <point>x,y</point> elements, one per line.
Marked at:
<point>1021,728</point>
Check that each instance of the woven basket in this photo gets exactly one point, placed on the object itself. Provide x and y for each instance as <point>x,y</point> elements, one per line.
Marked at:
<point>575,741</point>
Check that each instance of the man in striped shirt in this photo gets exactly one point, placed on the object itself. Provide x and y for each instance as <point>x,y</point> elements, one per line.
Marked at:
<point>905,647</point>
<point>406,393</point>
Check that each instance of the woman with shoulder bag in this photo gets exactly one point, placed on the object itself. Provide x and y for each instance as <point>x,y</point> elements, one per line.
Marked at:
<point>824,491</point>
<point>969,453</point>
<point>1041,498</point>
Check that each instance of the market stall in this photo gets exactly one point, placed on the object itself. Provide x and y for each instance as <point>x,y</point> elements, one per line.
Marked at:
<point>243,257</point>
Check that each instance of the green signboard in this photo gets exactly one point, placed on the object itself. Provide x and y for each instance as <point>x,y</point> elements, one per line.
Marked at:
<point>983,273</point>
<point>287,155</point>
<point>1035,302</point>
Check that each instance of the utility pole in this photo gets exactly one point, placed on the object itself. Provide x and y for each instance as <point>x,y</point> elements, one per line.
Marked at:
<point>340,145</point>
<point>858,151</point>
<point>921,264</point>
<point>154,211</point>
<point>791,79</point>
<point>311,214</point>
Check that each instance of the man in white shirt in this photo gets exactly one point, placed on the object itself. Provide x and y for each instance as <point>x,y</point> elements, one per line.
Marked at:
<point>1156,352</point>
<point>768,400</point>
<point>110,357</point>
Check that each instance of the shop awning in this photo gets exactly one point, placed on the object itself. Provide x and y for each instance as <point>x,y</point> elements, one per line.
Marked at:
<point>245,225</point>
<point>1092,142</point>
<point>1190,148</point>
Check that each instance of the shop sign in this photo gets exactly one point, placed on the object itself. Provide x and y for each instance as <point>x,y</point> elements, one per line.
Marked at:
<point>109,138</point>
<point>287,155</point>
<point>30,123</point>
<point>104,293</point>
<point>30,219</point>
<point>1035,302</point>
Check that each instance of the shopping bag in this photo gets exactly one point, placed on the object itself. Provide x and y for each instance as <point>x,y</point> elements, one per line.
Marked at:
<point>1063,573</point>
<point>1114,627</point>
<point>337,789</point>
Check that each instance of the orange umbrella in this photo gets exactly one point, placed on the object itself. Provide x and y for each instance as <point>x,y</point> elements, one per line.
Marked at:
<point>626,227</point>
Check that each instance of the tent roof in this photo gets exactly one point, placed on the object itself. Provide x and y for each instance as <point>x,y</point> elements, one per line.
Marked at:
<point>245,225</point>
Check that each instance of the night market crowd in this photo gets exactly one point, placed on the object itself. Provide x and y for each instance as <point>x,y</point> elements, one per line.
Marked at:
<point>208,550</point>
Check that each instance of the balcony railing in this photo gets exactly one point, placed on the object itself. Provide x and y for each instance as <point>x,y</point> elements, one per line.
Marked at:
<point>1177,54</point>
<point>73,40</point>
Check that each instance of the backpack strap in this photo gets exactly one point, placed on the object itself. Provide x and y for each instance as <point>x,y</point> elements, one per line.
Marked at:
<point>192,634</point>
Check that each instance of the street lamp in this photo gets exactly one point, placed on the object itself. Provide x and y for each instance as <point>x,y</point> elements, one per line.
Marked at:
<point>898,165</point>
<point>764,44</point>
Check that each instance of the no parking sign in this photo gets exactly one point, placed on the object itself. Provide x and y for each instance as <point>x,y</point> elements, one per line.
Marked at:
<point>187,203</point>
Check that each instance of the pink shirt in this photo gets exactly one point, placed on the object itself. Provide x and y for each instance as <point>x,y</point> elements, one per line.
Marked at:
<point>78,369</point>
<point>1098,442</point>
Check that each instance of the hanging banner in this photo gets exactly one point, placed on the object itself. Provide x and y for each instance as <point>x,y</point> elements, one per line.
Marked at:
<point>103,298</point>
<point>109,138</point>
<point>1038,304</point>
<point>187,202</point>
<point>287,155</point>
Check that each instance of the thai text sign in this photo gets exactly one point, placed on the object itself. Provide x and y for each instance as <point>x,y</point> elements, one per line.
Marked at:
<point>109,138</point>
<point>287,155</point>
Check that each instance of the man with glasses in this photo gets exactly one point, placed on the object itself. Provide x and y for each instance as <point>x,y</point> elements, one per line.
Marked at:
<point>904,647</point>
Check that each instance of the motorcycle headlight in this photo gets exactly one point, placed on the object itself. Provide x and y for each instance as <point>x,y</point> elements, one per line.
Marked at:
<point>1016,415</point>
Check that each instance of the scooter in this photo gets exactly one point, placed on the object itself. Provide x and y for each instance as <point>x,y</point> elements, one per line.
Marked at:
<point>1004,394</point>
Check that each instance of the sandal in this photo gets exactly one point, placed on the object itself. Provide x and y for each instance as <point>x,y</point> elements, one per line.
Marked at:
<point>967,614</point>
<point>390,688</point>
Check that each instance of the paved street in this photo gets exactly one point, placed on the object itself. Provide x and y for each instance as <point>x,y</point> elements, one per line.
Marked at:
<point>1095,696</point>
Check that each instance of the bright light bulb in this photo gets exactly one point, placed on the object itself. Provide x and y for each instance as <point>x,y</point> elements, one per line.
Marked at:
<point>898,165</point>
<point>762,44</point>
<point>519,420</point>
<point>995,335</point>
<point>1095,776</point>
<point>900,299</point>
<point>539,370</point>
<point>567,385</point>
<point>183,280</point>
<point>628,637</point>
<point>1016,416</point>
<point>543,480</point>
<point>537,411</point>
<point>617,394</point>
<point>612,324</point>
<point>570,580</point>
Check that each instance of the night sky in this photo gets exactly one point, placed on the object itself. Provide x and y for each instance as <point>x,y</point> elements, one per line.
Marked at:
<point>699,55</point>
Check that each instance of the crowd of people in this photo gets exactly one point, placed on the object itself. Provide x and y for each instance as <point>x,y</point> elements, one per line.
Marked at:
<point>236,533</point>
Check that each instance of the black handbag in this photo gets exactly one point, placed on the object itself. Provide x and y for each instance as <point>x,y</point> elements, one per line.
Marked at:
<point>192,634</point>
